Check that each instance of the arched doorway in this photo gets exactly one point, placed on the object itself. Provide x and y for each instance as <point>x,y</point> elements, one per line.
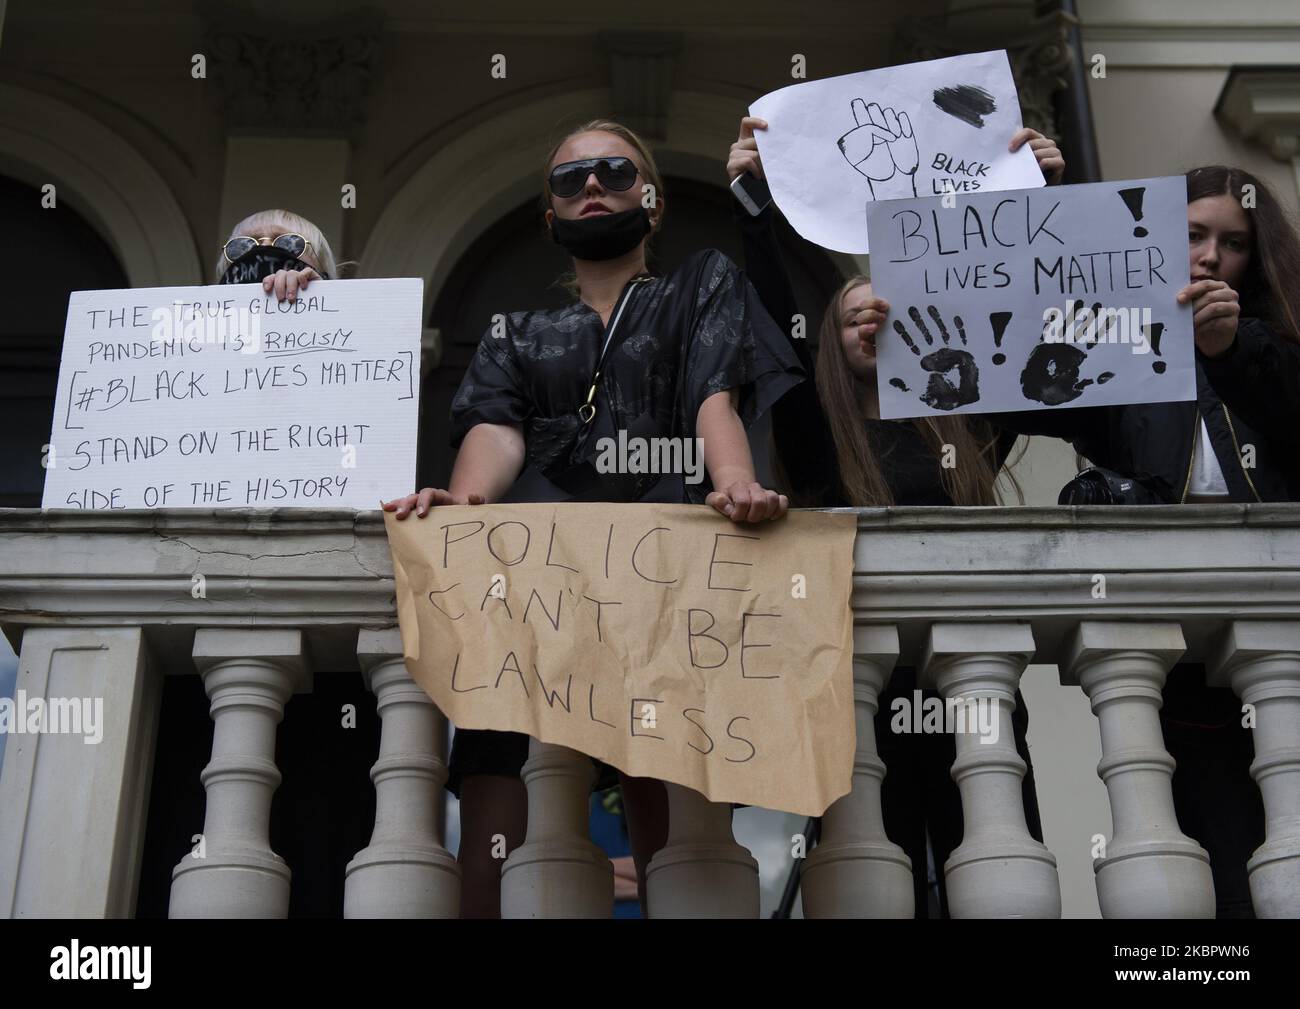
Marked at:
<point>512,266</point>
<point>46,255</point>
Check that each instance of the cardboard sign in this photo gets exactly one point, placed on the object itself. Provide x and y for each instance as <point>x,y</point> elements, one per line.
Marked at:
<point>1040,299</point>
<point>834,147</point>
<point>662,639</point>
<point>222,397</point>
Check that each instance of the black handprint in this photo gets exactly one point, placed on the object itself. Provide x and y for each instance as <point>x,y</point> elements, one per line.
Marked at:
<point>1051,375</point>
<point>940,393</point>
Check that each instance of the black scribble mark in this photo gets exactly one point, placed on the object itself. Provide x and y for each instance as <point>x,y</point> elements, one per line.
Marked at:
<point>883,148</point>
<point>966,102</point>
<point>898,383</point>
<point>1133,200</point>
<point>941,392</point>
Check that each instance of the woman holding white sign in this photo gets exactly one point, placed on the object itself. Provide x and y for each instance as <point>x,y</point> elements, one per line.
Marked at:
<point>690,357</point>
<point>278,249</point>
<point>1237,442</point>
<point>835,450</point>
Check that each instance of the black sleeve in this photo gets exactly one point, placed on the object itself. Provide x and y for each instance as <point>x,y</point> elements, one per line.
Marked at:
<point>799,429</point>
<point>491,391</point>
<point>1259,380</point>
<point>734,344</point>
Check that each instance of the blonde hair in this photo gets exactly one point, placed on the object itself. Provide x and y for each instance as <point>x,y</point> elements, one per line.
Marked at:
<point>287,219</point>
<point>645,162</point>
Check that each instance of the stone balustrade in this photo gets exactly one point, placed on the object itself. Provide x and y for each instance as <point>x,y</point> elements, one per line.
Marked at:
<point>261,603</point>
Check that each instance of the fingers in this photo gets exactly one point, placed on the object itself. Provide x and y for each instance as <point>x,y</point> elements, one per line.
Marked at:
<point>749,124</point>
<point>1021,135</point>
<point>1197,288</point>
<point>860,115</point>
<point>891,123</point>
<point>744,160</point>
<point>424,499</point>
<point>905,124</point>
<point>286,284</point>
<point>749,502</point>
<point>1217,310</point>
<point>877,116</point>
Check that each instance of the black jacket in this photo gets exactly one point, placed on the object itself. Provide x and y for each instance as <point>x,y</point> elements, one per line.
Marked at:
<point>1249,399</point>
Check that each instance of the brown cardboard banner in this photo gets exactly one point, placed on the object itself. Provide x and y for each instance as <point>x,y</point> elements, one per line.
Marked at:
<point>662,639</point>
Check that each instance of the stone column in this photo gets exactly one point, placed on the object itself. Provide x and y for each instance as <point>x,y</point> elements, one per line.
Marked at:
<point>999,870</point>
<point>73,804</point>
<point>557,872</point>
<point>248,675</point>
<point>1151,869</point>
<point>405,872</point>
<point>701,872</point>
<point>1260,660</point>
<point>856,871</point>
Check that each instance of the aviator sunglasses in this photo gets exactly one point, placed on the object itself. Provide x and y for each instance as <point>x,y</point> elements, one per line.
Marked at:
<point>242,245</point>
<point>615,174</point>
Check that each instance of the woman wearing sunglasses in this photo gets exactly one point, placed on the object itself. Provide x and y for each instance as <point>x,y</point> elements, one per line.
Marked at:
<point>278,249</point>
<point>688,355</point>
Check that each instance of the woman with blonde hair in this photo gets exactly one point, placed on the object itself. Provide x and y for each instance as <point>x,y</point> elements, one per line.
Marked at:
<point>688,355</point>
<point>278,249</point>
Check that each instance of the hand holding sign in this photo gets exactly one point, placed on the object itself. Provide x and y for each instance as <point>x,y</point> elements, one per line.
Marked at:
<point>882,147</point>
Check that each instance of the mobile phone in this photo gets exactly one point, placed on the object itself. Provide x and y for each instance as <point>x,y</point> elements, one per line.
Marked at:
<point>752,192</point>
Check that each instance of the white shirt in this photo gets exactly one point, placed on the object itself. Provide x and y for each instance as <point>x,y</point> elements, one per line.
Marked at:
<point>1207,484</point>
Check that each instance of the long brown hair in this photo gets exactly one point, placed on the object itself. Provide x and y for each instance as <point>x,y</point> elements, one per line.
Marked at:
<point>1269,290</point>
<point>973,440</point>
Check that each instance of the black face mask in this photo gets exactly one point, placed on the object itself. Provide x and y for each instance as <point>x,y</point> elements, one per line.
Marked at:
<point>261,262</point>
<point>602,236</point>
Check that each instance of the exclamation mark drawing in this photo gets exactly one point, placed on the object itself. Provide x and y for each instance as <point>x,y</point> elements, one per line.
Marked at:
<point>999,320</point>
<point>1153,331</point>
<point>1133,200</point>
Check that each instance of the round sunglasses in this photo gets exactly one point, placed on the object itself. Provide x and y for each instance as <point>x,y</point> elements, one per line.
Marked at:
<point>242,245</point>
<point>615,174</point>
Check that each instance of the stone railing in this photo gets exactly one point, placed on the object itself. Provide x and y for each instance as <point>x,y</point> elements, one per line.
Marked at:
<point>104,604</point>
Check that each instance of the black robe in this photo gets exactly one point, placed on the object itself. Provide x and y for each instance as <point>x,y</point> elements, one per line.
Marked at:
<point>681,338</point>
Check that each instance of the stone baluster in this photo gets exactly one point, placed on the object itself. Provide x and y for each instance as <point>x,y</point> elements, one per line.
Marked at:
<point>999,870</point>
<point>233,873</point>
<point>856,871</point>
<point>405,872</point>
<point>1260,660</point>
<point>701,872</point>
<point>1150,868</point>
<point>557,872</point>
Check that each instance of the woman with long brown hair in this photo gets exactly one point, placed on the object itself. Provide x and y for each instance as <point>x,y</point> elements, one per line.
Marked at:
<point>688,355</point>
<point>833,449</point>
<point>1238,442</point>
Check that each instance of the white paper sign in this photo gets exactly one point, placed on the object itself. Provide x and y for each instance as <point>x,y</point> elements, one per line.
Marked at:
<point>1042,298</point>
<point>222,397</point>
<point>836,146</point>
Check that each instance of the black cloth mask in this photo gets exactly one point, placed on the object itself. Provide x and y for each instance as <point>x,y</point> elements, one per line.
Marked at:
<point>601,236</point>
<point>262,261</point>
